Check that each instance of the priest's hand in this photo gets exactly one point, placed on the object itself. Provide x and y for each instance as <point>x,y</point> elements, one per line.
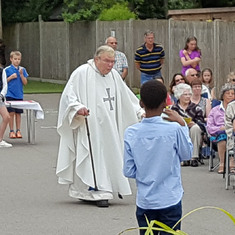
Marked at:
<point>83,112</point>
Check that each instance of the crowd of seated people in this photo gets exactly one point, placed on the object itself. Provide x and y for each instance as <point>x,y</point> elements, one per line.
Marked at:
<point>194,99</point>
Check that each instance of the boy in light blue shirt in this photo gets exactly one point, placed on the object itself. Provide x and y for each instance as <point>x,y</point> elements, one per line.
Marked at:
<point>153,151</point>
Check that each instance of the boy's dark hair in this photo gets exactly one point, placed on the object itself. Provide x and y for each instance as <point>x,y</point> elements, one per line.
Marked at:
<point>153,93</point>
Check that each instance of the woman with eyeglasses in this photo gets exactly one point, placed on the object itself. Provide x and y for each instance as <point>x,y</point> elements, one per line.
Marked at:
<point>177,79</point>
<point>193,116</point>
<point>190,56</point>
<point>197,98</point>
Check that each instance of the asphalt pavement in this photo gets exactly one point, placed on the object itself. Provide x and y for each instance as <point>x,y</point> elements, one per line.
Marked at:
<point>33,203</point>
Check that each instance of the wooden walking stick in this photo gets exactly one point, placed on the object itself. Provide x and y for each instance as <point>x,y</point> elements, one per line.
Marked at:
<point>92,160</point>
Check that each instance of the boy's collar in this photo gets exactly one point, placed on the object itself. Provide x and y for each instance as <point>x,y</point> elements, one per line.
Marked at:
<point>15,66</point>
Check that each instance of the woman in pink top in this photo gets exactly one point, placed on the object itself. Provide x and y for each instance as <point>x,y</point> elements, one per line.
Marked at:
<point>191,55</point>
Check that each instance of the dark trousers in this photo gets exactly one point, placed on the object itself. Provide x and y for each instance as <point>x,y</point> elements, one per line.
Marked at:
<point>168,216</point>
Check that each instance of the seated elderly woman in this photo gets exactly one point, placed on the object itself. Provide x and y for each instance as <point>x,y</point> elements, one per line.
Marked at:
<point>216,123</point>
<point>193,115</point>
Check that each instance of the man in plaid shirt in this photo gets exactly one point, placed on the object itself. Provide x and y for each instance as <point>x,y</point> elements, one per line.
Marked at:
<point>121,64</point>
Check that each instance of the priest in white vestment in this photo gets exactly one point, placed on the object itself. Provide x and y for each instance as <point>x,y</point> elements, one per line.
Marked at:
<point>97,91</point>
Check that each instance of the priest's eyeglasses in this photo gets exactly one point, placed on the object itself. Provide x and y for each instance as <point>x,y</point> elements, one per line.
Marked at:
<point>106,61</point>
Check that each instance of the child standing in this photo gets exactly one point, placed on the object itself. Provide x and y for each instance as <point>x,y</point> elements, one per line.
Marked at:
<point>208,81</point>
<point>16,78</point>
<point>153,150</point>
<point>190,56</point>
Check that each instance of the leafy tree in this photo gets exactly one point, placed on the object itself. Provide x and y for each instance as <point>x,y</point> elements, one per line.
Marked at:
<point>180,4</point>
<point>148,8</point>
<point>74,10</point>
<point>218,3</point>
<point>86,9</point>
<point>27,10</point>
<point>117,12</point>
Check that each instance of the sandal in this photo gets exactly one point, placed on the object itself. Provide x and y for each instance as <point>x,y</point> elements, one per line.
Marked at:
<point>18,134</point>
<point>232,170</point>
<point>12,134</point>
<point>221,169</point>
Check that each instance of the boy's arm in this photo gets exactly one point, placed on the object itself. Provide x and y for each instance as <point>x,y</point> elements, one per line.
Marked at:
<point>184,144</point>
<point>129,167</point>
<point>173,116</point>
<point>11,77</point>
<point>23,78</point>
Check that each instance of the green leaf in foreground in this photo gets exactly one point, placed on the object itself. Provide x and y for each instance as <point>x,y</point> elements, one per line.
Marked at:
<point>165,228</point>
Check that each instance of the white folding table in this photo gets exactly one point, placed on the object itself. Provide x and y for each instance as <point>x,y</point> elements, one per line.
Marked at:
<point>33,111</point>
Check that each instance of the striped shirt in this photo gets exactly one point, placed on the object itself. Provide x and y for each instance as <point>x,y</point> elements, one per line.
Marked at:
<point>150,61</point>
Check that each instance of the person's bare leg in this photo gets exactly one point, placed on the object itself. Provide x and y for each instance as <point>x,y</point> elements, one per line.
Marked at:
<point>5,120</point>
<point>11,125</point>
<point>232,164</point>
<point>18,125</point>
<point>221,152</point>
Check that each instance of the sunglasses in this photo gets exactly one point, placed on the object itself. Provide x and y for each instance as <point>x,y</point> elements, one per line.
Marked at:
<point>233,80</point>
<point>177,80</point>
<point>194,75</point>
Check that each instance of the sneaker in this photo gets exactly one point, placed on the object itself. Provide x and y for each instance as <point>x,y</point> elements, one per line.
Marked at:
<point>185,163</point>
<point>194,163</point>
<point>4,144</point>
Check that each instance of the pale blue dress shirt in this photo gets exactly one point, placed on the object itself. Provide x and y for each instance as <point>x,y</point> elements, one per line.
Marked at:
<point>153,151</point>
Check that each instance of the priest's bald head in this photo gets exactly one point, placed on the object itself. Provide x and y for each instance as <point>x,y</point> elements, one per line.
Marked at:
<point>104,59</point>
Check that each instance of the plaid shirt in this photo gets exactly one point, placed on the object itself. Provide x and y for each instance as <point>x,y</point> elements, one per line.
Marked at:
<point>120,62</point>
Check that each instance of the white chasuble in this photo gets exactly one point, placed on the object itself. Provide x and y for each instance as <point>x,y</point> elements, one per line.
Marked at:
<point>113,107</point>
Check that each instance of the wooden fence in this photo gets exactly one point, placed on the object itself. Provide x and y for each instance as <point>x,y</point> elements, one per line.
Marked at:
<point>52,50</point>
